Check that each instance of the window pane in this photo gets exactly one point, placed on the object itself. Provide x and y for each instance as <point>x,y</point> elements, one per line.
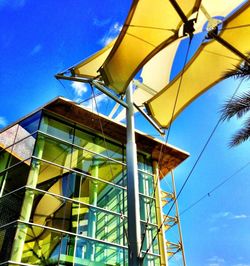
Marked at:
<point>53,151</point>
<point>5,158</point>
<point>152,260</point>
<point>147,209</point>
<point>150,232</point>
<point>97,166</point>
<point>28,126</point>
<point>55,248</point>
<point>10,207</point>
<point>6,239</point>
<point>146,185</point>
<point>98,145</point>
<point>75,217</point>
<point>24,149</point>
<point>58,129</point>
<point>69,184</point>
<point>15,177</point>
<point>7,137</point>
<point>145,163</point>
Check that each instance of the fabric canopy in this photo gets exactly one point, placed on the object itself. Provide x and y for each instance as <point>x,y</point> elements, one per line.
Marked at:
<point>205,69</point>
<point>161,64</point>
<point>150,26</point>
<point>155,73</point>
<point>89,67</point>
<point>149,40</point>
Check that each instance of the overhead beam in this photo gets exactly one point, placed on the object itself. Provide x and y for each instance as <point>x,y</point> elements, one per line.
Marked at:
<point>150,120</point>
<point>95,83</point>
<point>226,44</point>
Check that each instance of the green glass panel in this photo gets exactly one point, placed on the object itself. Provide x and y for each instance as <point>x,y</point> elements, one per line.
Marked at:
<point>150,232</point>
<point>151,260</point>
<point>88,162</point>
<point>68,184</point>
<point>55,248</point>
<point>4,160</point>
<point>98,145</point>
<point>82,138</point>
<point>80,251</point>
<point>145,163</point>
<point>49,174</point>
<point>147,209</point>
<point>50,210</point>
<point>146,184</point>
<point>54,151</point>
<point>41,250</point>
<point>57,129</point>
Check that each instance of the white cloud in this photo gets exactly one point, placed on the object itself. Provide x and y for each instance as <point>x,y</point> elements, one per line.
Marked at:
<point>101,22</point>
<point>79,88</point>
<point>240,216</point>
<point>91,104</point>
<point>111,34</point>
<point>215,261</point>
<point>36,49</point>
<point>3,121</point>
<point>227,215</point>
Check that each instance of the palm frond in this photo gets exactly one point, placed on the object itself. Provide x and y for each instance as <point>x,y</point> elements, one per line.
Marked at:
<point>238,106</point>
<point>240,71</point>
<point>242,135</point>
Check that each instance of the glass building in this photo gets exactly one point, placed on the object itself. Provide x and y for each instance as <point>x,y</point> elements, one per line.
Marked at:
<point>63,192</point>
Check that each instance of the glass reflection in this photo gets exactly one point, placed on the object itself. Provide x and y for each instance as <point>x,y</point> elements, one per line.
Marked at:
<point>54,247</point>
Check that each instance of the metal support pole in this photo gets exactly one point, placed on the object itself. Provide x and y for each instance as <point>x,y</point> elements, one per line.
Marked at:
<point>93,191</point>
<point>178,217</point>
<point>26,210</point>
<point>134,227</point>
<point>159,212</point>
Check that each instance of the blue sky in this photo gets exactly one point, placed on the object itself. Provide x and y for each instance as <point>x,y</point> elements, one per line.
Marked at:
<point>40,38</point>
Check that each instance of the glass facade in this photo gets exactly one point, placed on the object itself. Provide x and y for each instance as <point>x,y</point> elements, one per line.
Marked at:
<point>63,196</point>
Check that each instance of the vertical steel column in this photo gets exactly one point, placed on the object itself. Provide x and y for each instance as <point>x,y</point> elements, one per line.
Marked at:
<point>93,193</point>
<point>160,218</point>
<point>26,210</point>
<point>134,227</point>
<point>178,217</point>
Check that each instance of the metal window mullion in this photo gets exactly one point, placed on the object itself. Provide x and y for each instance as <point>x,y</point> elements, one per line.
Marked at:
<point>70,233</point>
<point>82,148</point>
<point>80,173</point>
<point>74,201</point>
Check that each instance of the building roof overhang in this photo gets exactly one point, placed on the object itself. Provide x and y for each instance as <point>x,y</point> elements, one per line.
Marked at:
<point>168,156</point>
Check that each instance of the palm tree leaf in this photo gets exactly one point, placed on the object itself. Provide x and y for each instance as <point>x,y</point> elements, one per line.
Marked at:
<point>242,135</point>
<point>240,71</point>
<point>238,106</point>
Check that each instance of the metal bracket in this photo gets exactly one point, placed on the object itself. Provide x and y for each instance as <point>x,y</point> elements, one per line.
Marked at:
<point>94,83</point>
<point>150,120</point>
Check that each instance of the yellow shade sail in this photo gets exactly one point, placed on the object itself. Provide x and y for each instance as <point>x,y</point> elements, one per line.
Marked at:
<point>89,68</point>
<point>150,26</point>
<point>149,40</point>
<point>205,69</point>
<point>161,64</point>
